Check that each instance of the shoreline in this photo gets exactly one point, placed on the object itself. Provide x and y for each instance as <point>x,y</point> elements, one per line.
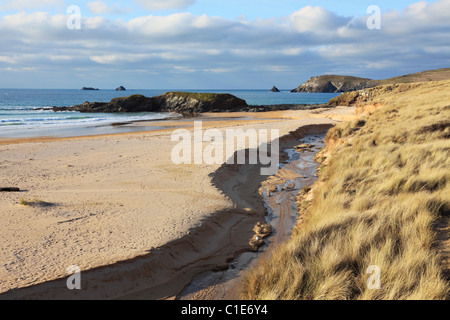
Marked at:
<point>168,124</point>
<point>139,127</point>
<point>234,218</point>
<point>114,126</point>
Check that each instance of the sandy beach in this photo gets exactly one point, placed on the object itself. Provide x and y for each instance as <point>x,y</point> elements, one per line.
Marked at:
<point>116,206</point>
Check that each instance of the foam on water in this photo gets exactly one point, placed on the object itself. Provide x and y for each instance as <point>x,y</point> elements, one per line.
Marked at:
<point>22,110</point>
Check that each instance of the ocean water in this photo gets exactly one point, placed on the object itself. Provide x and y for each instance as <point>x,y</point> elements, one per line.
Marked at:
<point>19,117</point>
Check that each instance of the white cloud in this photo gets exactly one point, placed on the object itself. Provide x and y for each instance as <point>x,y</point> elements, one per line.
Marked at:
<point>25,5</point>
<point>278,68</point>
<point>416,8</point>
<point>99,7</point>
<point>217,70</point>
<point>157,5</point>
<point>292,51</point>
<point>61,58</point>
<point>316,20</point>
<point>7,59</point>
<point>184,69</point>
<point>119,58</point>
<point>310,40</point>
<point>382,64</point>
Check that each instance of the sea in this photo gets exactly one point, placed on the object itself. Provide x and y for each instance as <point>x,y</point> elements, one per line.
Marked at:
<point>23,114</point>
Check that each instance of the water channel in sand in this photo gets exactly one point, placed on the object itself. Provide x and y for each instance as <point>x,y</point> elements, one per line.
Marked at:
<point>278,193</point>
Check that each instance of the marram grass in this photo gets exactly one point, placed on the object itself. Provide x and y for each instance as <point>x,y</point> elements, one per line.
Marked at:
<point>381,193</point>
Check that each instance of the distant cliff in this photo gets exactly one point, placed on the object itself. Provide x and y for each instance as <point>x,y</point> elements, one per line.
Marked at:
<point>334,83</point>
<point>183,102</point>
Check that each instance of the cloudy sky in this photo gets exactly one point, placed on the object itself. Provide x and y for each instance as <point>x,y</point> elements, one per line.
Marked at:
<point>215,44</point>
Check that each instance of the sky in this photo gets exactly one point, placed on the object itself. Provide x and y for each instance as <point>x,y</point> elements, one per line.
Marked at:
<point>215,44</point>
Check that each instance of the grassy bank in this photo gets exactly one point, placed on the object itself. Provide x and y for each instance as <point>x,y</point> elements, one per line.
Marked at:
<point>383,190</point>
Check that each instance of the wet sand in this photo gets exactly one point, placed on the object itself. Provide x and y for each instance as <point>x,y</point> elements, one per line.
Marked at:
<point>278,193</point>
<point>136,225</point>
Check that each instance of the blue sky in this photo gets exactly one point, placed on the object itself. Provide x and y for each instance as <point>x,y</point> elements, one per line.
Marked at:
<point>214,44</point>
<point>252,9</point>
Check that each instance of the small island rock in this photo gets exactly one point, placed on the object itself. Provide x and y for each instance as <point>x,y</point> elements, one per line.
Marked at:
<point>275,89</point>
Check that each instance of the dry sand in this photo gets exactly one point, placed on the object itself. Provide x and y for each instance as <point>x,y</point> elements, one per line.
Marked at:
<point>116,206</point>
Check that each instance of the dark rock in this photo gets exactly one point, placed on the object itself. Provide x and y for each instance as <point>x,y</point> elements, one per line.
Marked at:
<point>263,230</point>
<point>256,242</point>
<point>199,102</point>
<point>121,88</point>
<point>220,268</point>
<point>182,102</point>
<point>9,189</point>
<point>89,89</point>
<point>274,89</point>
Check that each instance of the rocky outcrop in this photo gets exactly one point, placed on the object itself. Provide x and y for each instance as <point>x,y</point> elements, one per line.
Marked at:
<point>199,102</point>
<point>334,84</point>
<point>121,88</point>
<point>348,99</point>
<point>182,102</point>
<point>134,103</point>
<point>89,89</point>
<point>275,89</point>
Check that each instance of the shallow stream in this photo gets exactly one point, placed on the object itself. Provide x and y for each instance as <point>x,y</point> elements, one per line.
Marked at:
<point>279,193</point>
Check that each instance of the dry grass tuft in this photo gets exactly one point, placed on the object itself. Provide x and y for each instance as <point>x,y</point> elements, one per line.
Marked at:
<point>35,203</point>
